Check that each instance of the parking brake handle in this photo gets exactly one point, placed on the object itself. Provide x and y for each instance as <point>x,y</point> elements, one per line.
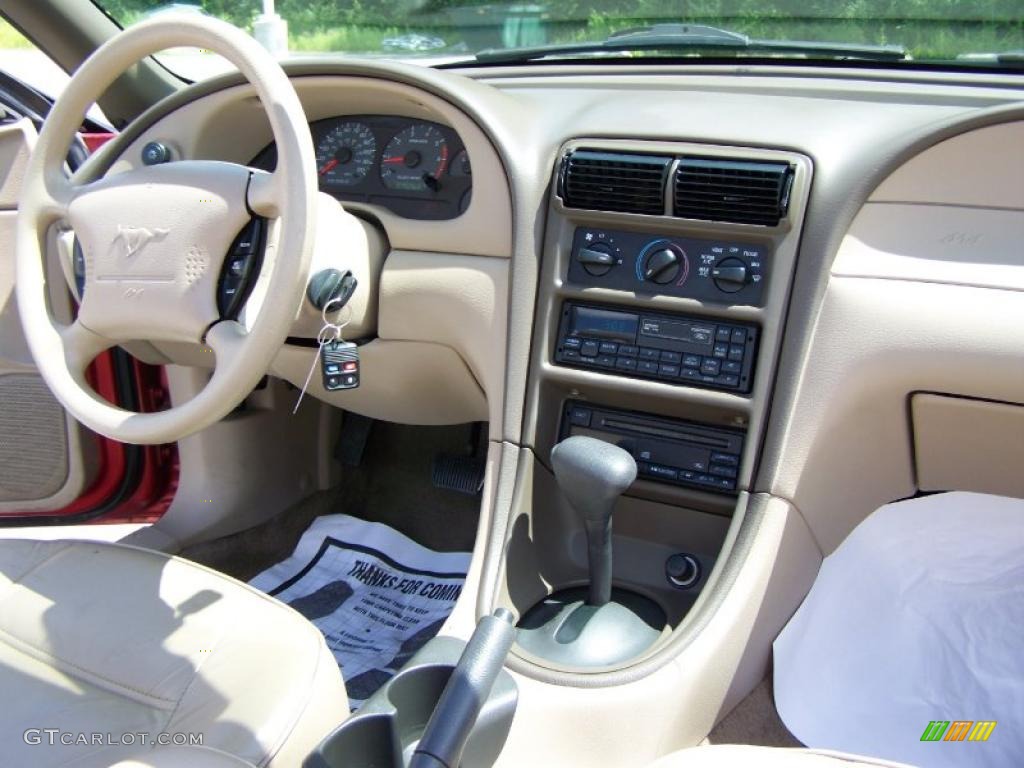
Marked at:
<point>464,696</point>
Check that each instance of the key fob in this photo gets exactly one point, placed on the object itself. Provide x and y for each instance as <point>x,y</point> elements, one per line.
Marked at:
<point>339,364</point>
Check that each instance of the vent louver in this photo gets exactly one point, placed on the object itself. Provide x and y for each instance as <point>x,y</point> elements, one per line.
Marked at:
<point>614,181</point>
<point>740,191</point>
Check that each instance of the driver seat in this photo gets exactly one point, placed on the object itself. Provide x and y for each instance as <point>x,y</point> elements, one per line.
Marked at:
<point>107,642</point>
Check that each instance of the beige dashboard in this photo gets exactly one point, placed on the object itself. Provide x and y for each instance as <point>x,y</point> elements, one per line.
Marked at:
<point>867,312</point>
<point>890,361</point>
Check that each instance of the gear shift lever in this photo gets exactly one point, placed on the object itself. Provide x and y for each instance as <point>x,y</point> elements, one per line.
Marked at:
<point>592,474</point>
<point>596,627</point>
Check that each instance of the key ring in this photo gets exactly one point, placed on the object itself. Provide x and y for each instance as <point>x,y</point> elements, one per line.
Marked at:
<point>336,325</point>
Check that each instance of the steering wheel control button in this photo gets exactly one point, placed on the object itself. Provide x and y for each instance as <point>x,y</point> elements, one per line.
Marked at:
<point>240,269</point>
<point>156,153</point>
<point>78,268</point>
<point>713,271</point>
<point>682,571</point>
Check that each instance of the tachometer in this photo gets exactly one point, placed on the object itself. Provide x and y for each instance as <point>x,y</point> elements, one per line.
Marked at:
<point>345,154</point>
<point>415,159</point>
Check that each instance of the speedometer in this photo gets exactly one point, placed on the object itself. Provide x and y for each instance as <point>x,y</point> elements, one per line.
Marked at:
<point>415,159</point>
<point>345,154</point>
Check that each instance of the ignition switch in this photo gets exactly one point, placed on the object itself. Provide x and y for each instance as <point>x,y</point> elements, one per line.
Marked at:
<point>331,285</point>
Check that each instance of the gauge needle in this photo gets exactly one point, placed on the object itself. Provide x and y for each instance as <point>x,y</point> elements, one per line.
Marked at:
<point>328,166</point>
<point>393,160</point>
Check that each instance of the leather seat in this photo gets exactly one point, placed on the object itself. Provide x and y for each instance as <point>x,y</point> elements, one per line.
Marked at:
<point>118,641</point>
<point>728,755</point>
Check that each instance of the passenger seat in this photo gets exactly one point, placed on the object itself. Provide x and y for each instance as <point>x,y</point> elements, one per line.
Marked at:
<point>727,755</point>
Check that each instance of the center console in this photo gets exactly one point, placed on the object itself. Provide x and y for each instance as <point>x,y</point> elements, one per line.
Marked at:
<point>663,288</point>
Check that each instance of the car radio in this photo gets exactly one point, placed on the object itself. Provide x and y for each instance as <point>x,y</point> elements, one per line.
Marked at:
<point>671,348</point>
<point>666,450</point>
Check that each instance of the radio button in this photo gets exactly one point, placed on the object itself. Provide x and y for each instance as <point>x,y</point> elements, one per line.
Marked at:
<point>671,357</point>
<point>735,352</point>
<point>626,363</point>
<point>721,350</point>
<point>646,353</point>
<point>665,473</point>
<point>691,361</point>
<point>627,351</point>
<point>589,349</point>
<point>569,356</point>
<point>579,417</point>
<point>739,336</point>
<point>690,374</point>
<point>731,366</point>
<point>729,459</point>
<point>728,381</point>
<point>668,371</point>
<point>710,367</point>
<point>646,366</point>
<point>572,342</point>
<point>723,471</point>
<point>606,361</point>
<point>722,334</point>
<point>588,360</point>
<point>608,348</point>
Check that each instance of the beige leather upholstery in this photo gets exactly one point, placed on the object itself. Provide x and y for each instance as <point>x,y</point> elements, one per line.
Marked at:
<point>108,639</point>
<point>179,757</point>
<point>728,755</point>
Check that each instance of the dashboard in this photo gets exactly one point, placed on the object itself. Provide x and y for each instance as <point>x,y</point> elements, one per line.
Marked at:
<point>747,279</point>
<point>417,169</point>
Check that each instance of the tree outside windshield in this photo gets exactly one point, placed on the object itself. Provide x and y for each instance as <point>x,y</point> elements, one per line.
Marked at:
<point>928,29</point>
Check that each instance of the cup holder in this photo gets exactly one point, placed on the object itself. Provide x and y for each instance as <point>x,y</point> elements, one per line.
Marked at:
<point>414,696</point>
<point>386,729</point>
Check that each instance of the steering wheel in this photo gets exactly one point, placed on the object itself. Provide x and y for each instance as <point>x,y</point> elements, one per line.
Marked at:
<point>155,240</point>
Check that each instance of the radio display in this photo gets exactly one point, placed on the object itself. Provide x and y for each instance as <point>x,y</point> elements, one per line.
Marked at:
<point>691,333</point>
<point>604,324</point>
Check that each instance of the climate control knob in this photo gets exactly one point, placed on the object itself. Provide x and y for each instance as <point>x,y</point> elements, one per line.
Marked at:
<point>596,259</point>
<point>663,265</point>
<point>730,275</point>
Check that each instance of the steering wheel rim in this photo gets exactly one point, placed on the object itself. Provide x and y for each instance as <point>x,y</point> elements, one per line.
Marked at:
<point>62,353</point>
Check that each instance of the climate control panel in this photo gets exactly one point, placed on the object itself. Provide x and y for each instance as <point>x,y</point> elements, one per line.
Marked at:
<point>708,270</point>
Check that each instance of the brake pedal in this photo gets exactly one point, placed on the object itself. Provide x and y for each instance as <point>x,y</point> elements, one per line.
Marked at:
<point>355,431</point>
<point>464,474</point>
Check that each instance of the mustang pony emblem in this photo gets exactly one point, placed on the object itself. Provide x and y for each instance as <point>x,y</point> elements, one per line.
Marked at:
<point>134,239</point>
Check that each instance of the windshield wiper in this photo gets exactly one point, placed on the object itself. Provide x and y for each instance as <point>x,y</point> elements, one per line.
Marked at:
<point>1010,58</point>
<point>690,38</point>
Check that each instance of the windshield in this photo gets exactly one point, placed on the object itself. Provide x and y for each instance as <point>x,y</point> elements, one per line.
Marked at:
<point>965,32</point>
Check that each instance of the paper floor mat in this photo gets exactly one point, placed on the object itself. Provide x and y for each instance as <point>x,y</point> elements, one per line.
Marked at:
<point>376,595</point>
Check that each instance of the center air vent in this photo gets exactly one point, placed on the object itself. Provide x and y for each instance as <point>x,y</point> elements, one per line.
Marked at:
<point>614,181</point>
<point>741,191</point>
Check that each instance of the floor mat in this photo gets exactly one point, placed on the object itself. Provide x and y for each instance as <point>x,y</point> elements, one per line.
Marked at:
<point>376,595</point>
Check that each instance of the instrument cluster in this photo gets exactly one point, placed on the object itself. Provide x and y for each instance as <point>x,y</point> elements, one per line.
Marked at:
<point>414,168</point>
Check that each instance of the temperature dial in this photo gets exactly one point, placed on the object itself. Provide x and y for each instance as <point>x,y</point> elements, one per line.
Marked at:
<point>663,262</point>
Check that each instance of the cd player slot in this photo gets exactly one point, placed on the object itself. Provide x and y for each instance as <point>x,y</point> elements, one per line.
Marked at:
<point>671,434</point>
<point>666,450</point>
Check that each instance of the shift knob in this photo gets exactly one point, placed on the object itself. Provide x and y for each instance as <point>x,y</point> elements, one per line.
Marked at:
<point>592,474</point>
